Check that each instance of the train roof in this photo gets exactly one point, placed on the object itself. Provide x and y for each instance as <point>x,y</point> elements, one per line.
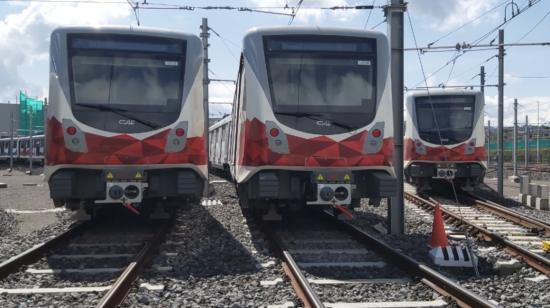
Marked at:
<point>315,30</point>
<point>442,91</point>
<point>129,30</point>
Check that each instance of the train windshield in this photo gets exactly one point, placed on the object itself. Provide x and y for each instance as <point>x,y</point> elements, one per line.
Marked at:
<point>128,78</point>
<point>445,119</point>
<point>322,79</point>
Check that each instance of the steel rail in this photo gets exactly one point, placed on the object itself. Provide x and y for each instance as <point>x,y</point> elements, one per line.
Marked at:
<point>299,282</point>
<point>119,290</point>
<point>34,254</point>
<point>511,215</point>
<point>435,280</point>
<point>534,260</point>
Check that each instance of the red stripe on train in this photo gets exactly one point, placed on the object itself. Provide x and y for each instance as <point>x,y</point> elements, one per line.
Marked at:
<point>319,151</point>
<point>441,153</point>
<point>121,149</point>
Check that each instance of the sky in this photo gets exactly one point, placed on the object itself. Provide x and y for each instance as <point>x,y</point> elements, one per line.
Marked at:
<point>25,27</point>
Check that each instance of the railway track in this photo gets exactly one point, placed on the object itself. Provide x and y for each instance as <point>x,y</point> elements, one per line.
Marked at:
<point>88,258</point>
<point>520,236</point>
<point>335,264</point>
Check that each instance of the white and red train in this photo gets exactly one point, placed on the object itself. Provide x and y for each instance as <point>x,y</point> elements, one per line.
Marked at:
<point>21,150</point>
<point>444,137</point>
<point>126,121</point>
<point>312,119</point>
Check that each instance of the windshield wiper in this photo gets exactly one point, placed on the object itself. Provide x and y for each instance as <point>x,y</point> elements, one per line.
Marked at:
<point>121,112</point>
<point>314,116</point>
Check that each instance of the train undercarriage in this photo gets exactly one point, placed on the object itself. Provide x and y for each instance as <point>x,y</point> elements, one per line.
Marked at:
<point>271,192</point>
<point>143,192</point>
<point>465,176</point>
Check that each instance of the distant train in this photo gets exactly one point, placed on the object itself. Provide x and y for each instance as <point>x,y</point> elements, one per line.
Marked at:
<point>444,138</point>
<point>312,120</point>
<point>21,149</point>
<point>126,122</point>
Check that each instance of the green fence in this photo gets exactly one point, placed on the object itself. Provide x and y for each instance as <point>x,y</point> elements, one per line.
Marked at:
<point>35,108</point>
<point>544,144</point>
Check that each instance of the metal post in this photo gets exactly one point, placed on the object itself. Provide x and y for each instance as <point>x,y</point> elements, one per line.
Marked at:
<point>538,133</point>
<point>482,80</point>
<point>31,145</point>
<point>489,142</point>
<point>206,81</point>
<point>514,146</point>
<point>12,124</point>
<point>526,137</point>
<point>394,13</point>
<point>500,137</point>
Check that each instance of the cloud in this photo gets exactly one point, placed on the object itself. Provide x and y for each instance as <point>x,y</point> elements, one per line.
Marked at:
<point>220,92</point>
<point>527,106</point>
<point>447,15</point>
<point>24,38</point>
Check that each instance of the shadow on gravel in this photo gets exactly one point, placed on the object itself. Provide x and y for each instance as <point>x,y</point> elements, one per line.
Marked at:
<point>113,225</point>
<point>205,248</point>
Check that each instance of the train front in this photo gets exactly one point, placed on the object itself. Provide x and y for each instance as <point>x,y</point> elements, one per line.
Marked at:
<point>444,137</point>
<point>125,123</point>
<point>314,118</point>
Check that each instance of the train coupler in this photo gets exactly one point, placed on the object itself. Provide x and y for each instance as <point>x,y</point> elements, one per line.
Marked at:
<point>131,208</point>
<point>344,212</point>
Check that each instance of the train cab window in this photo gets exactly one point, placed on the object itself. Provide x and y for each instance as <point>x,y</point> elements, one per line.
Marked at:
<point>322,79</point>
<point>445,119</point>
<point>121,79</point>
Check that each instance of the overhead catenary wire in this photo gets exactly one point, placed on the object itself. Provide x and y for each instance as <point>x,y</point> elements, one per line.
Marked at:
<point>469,22</point>
<point>135,10</point>
<point>295,12</point>
<point>368,17</point>
<point>529,5</point>
<point>534,27</point>
<point>476,43</point>
<point>223,40</point>
<point>378,24</point>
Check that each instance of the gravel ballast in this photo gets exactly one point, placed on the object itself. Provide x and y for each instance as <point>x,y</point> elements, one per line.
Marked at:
<point>220,261</point>
<point>511,290</point>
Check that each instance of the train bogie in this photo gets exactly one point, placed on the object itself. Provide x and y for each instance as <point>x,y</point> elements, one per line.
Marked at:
<point>444,138</point>
<point>126,119</point>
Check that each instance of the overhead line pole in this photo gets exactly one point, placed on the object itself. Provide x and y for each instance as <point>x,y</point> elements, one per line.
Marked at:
<point>489,143</point>
<point>538,132</point>
<point>12,127</point>
<point>526,136</point>
<point>204,36</point>
<point>31,141</point>
<point>482,80</point>
<point>500,137</point>
<point>515,147</point>
<point>394,14</point>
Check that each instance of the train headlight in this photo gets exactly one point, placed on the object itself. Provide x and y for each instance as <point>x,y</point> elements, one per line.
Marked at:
<point>116,192</point>
<point>131,191</point>
<point>341,193</point>
<point>326,193</point>
<point>376,133</point>
<point>71,130</point>
<point>274,132</point>
<point>180,132</point>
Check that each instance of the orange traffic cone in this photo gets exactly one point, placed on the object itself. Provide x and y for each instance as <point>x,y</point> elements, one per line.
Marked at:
<point>439,238</point>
